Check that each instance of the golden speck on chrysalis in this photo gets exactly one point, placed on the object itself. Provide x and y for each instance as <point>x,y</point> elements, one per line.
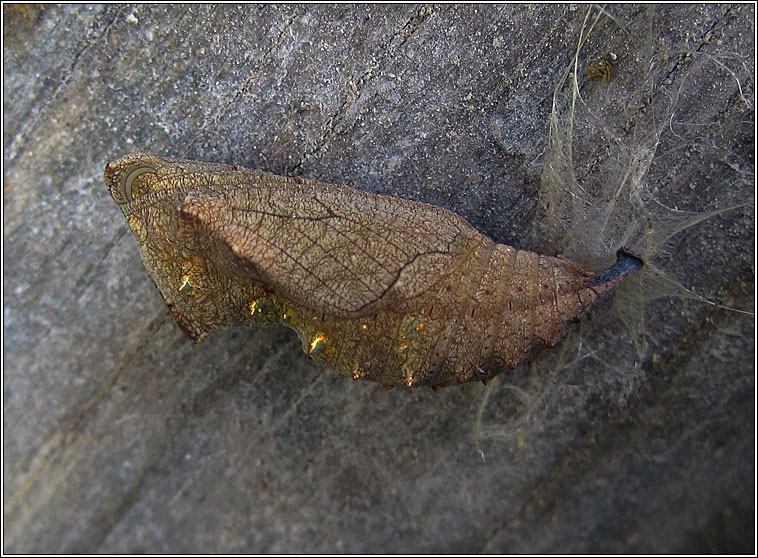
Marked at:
<point>185,284</point>
<point>137,227</point>
<point>317,345</point>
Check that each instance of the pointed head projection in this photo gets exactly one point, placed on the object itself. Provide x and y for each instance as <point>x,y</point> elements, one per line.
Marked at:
<point>192,272</point>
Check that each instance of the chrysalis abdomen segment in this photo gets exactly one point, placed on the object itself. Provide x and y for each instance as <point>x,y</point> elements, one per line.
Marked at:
<point>491,314</point>
<point>522,302</point>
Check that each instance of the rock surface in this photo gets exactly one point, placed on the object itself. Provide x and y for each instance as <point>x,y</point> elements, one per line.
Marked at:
<point>121,436</point>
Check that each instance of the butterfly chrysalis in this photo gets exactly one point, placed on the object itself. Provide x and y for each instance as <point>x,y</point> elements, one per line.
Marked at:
<point>379,288</point>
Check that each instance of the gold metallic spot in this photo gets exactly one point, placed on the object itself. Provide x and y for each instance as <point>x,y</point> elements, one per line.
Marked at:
<point>357,372</point>
<point>135,223</point>
<point>408,378</point>
<point>290,316</point>
<point>412,329</point>
<point>364,327</point>
<point>318,344</point>
<point>185,284</point>
<point>264,309</point>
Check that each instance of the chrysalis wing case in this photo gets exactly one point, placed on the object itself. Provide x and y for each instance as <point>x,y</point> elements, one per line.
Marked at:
<point>378,288</point>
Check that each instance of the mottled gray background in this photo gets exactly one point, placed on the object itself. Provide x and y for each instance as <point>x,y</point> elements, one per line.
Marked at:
<point>122,436</point>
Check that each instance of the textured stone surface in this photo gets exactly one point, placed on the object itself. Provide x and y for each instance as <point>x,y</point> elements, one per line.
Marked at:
<point>122,436</point>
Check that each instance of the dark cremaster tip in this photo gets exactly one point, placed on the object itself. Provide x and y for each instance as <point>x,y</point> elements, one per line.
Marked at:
<point>625,264</point>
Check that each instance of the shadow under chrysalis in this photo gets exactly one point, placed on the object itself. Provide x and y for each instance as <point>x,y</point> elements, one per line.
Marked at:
<point>379,288</point>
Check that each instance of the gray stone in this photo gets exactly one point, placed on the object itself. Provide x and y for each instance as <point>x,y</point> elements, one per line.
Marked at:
<point>121,436</point>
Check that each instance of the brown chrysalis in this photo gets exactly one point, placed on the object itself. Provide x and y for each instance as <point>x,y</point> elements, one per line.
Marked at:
<point>378,288</point>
